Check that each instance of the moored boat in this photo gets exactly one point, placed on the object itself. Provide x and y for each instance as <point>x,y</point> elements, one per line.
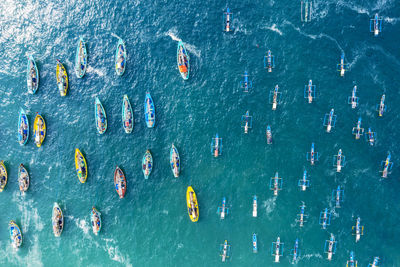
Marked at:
<point>119,182</point>
<point>39,129</point>
<point>192,205</point>
<point>80,58</point>
<point>57,220</point>
<point>80,166</point>
<point>95,219</point>
<point>147,164</point>
<point>23,178</point>
<point>3,176</point>
<point>23,127</point>
<point>120,58</point>
<point>174,161</point>
<point>127,115</point>
<point>182,59</point>
<point>149,111</point>
<point>15,235</point>
<point>100,116</point>
<point>32,75</point>
<point>62,78</point>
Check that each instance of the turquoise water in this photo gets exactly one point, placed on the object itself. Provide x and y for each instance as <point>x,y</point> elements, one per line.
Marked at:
<point>150,226</point>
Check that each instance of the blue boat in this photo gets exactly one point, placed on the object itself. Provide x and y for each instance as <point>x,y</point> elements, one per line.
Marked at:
<point>375,263</point>
<point>269,135</point>
<point>246,84</point>
<point>302,217</point>
<point>375,24</point>
<point>182,59</point>
<point>351,262</point>
<point>223,210</point>
<point>295,252</point>
<point>147,164</point>
<point>269,61</point>
<point>23,128</point>
<point>330,247</point>
<point>100,116</point>
<point>387,166</point>
<point>353,99</point>
<point>358,229</point>
<point>312,156</point>
<point>120,58</point>
<point>32,75</point>
<point>339,161</point>
<point>304,182</point>
<point>330,120</point>
<point>80,59</point>
<point>255,248</point>
<point>15,235</point>
<point>358,131</point>
<point>175,161</point>
<point>325,218</point>
<point>127,115</point>
<point>149,111</point>
<point>381,107</point>
<point>228,18</point>
<point>337,196</point>
<point>342,67</point>
<point>216,146</point>
<point>370,137</point>
<point>309,91</point>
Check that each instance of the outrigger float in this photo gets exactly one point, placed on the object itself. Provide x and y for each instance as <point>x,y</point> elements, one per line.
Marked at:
<point>381,107</point>
<point>337,196</point>
<point>353,99</point>
<point>342,67</point>
<point>309,91</point>
<point>358,131</point>
<point>223,210</point>
<point>304,182</point>
<point>325,218</point>
<point>255,248</point>
<point>387,166</point>
<point>255,206</point>
<point>351,262</point>
<point>269,135</point>
<point>306,10</point>
<point>339,161</point>
<point>228,18</point>
<point>312,156</point>
<point>330,120</point>
<point>375,263</point>
<point>330,247</point>
<point>277,249</point>
<point>269,61</point>
<point>275,184</point>
<point>225,251</point>
<point>275,97</point>
<point>246,84</point>
<point>247,122</point>
<point>302,217</point>
<point>358,229</point>
<point>375,24</point>
<point>370,137</point>
<point>216,146</point>
<point>295,252</point>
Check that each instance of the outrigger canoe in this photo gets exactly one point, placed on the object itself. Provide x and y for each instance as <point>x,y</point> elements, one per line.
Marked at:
<point>182,59</point>
<point>147,164</point>
<point>32,75</point>
<point>80,58</point>
<point>119,182</point>
<point>15,235</point>
<point>39,130</point>
<point>149,111</point>
<point>23,178</point>
<point>95,219</point>
<point>80,166</point>
<point>120,58</point>
<point>23,127</point>
<point>57,220</point>
<point>174,161</point>
<point>101,117</point>
<point>127,115</point>
<point>62,78</point>
<point>3,176</point>
<point>192,205</point>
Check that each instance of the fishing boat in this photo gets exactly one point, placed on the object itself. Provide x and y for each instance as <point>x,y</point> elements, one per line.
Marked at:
<point>358,229</point>
<point>302,217</point>
<point>62,78</point>
<point>223,210</point>
<point>23,178</point>
<point>216,146</point>
<point>309,91</point>
<point>127,115</point>
<point>351,262</point>
<point>255,206</point>
<point>306,10</point>
<point>381,108</point>
<point>95,219</point>
<point>303,183</point>
<point>330,120</point>
<point>312,156</point>
<point>80,166</point>
<point>255,248</point>
<point>3,176</point>
<point>39,129</point>
<point>370,137</point>
<point>339,161</point>
<point>182,59</point>
<point>269,135</point>
<point>342,67</point>
<point>228,18</point>
<point>80,58</point>
<point>247,122</point>
<point>375,263</point>
<point>225,251</point>
<point>277,249</point>
<point>295,252</point>
<point>330,247</point>
<point>375,24</point>
<point>337,196</point>
<point>174,161</point>
<point>275,97</point>
<point>147,164</point>
<point>119,182</point>
<point>100,116</point>
<point>23,127</point>
<point>387,166</point>
<point>353,99</point>
<point>325,218</point>
<point>192,205</point>
<point>358,131</point>
<point>120,58</point>
<point>57,220</point>
<point>32,75</point>
<point>275,184</point>
<point>246,84</point>
<point>149,111</point>
<point>15,235</point>
<point>269,61</point>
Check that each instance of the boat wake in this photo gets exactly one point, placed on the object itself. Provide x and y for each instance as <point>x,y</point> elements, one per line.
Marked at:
<point>269,205</point>
<point>113,34</point>
<point>172,33</point>
<point>114,253</point>
<point>98,72</point>
<point>275,29</point>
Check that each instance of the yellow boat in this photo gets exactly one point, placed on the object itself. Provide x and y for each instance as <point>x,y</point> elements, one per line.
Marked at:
<point>3,176</point>
<point>62,78</point>
<point>80,166</point>
<point>193,207</point>
<point>39,130</point>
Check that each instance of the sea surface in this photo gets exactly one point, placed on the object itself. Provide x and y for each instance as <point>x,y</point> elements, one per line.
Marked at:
<point>150,226</point>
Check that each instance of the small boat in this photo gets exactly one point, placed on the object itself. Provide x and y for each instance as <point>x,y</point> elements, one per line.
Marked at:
<point>269,61</point>
<point>381,108</point>
<point>337,196</point>
<point>147,164</point>
<point>62,78</point>
<point>330,247</point>
<point>358,131</point>
<point>269,135</point>
<point>223,210</point>
<point>277,249</point>
<point>225,251</point>
<point>57,220</point>
<point>127,115</point>
<point>387,166</point>
<point>174,161</point>
<point>325,218</point>
<point>342,67</point>
<point>95,218</point>
<point>120,58</point>
<point>3,176</point>
<point>275,97</point>
<point>246,83</point>
<point>247,122</point>
<point>255,206</point>
<point>119,182</point>
<point>304,182</point>
<point>339,161</point>
<point>306,10</point>
<point>330,120</point>
<point>192,205</point>
<point>228,18</point>
<point>358,229</point>
<point>375,24</point>
<point>309,91</point>
<point>275,184</point>
<point>149,111</point>
<point>302,216</point>
<point>371,136</point>
<point>80,58</point>
<point>182,59</point>
<point>101,117</point>
<point>312,156</point>
<point>15,235</point>
<point>23,178</point>
<point>216,146</point>
<point>32,75</point>
<point>375,263</point>
<point>255,248</point>
<point>80,166</point>
<point>351,262</point>
<point>23,127</point>
<point>295,252</point>
<point>39,129</point>
<point>353,99</point>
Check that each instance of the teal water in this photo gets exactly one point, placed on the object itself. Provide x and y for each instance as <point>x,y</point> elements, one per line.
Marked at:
<point>150,226</point>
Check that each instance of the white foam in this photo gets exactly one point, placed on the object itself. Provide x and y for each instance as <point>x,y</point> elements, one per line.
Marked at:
<point>173,34</point>
<point>98,72</point>
<point>115,254</point>
<point>275,29</point>
<point>391,20</point>
<point>83,225</point>
<point>193,49</point>
<point>113,34</point>
<point>269,205</point>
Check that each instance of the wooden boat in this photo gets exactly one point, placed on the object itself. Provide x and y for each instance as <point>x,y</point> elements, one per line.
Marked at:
<point>3,176</point>
<point>174,161</point>
<point>23,178</point>
<point>15,234</point>
<point>80,166</point>
<point>182,59</point>
<point>32,75</point>
<point>101,117</point>
<point>62,78</point>
<point>119,182</point>
<point>95,218</point>
<point>120,58</point>
<point>23,127</point>
<point>39,130</point>
<point>127,115</point>
<point>149,111</point>
<point>147,164</point>
<point>80,58</point>
<point>57,220</point>
<point>192,205</point>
